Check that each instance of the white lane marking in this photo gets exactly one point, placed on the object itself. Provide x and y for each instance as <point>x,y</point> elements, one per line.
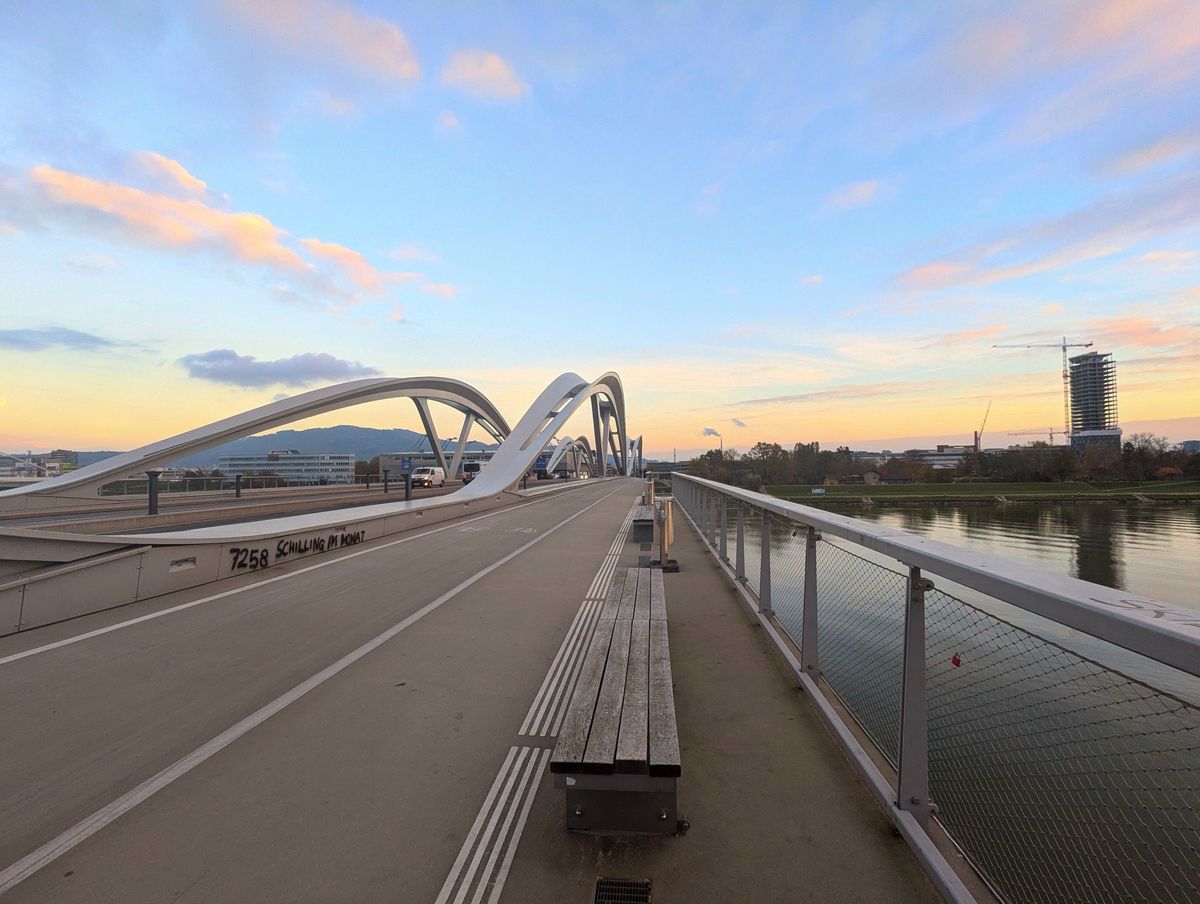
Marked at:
<point>503,839</point>
<point>51,850</point>
<point>515,840</point>
<point>579,640</point>
<point>554,665</point>
<point>567,680</point>
<point>46,648</point>
<point>461,859</point>
<point>486,838</point>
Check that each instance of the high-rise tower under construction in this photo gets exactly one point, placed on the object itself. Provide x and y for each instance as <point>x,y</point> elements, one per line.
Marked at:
<point>1094,401</point>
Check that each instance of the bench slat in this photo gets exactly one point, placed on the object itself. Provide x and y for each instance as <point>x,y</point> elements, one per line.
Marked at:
<point>612,602</point>
<point>573,738</point>
<point>632,744</point>
<point>658,595</point>
<point>641,609</point>
<point>629,595</point>
<point>606,723</point>
<point>664,736</point>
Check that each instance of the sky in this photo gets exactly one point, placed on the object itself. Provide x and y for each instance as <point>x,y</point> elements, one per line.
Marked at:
<point>777,222</point>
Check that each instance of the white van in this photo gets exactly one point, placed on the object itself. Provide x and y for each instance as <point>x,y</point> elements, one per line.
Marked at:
<point>470,470</point>
<point>428,477</point>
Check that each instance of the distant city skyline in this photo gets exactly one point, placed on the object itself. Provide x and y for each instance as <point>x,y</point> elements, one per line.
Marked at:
<point>776,223</point>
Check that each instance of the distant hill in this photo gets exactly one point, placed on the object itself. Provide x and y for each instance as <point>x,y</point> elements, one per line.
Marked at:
<point>365,442</point>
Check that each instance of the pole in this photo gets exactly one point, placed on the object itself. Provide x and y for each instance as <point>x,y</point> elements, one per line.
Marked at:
<point>385,480</point>
<point>808,629</point>
<point>739,566</point>
<point>764,573</point>
<point>237,486</point>
<point>152,491</point>
<point>408,486</point>
<point>912,783</point>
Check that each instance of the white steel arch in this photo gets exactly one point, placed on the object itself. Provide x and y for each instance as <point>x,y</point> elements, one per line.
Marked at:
<point>579,444</point>
<point>545,417</point>
<point>86,482</point>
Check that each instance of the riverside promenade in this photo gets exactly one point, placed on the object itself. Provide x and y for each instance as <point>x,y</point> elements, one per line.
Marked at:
<point>376,727</point>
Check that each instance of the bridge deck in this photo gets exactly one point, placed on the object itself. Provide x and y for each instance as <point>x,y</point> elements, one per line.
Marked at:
<point>361,773</point>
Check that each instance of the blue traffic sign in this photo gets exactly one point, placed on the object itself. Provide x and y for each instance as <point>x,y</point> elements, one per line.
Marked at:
<point>406,464</point>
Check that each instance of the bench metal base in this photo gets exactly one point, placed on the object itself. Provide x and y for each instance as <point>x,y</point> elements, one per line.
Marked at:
<point>629,804</point>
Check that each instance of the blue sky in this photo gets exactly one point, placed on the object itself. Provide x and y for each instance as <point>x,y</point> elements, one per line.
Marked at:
<point>813,219</point>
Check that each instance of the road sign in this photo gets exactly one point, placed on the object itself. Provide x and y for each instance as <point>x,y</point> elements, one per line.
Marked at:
<point>406,464</point>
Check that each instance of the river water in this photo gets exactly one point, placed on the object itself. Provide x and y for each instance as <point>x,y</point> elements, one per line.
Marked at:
<point>1150,550</point>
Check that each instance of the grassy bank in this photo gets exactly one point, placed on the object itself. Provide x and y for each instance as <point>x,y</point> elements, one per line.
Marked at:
<point>990,493</point>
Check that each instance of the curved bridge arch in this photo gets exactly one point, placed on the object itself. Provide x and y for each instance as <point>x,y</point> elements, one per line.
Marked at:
<point>85,482</point>
<point>565,445</point>
<point>545,418</point>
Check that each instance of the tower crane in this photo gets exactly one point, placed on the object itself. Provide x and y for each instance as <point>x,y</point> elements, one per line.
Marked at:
<point>1064,345</point>
<point>1050,433</point>
<point>979,432</point>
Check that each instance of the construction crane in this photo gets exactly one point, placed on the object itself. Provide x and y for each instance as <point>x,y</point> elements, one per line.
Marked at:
<point>979,432</point>
<point>1050,433</point>
<point>1064,345</point>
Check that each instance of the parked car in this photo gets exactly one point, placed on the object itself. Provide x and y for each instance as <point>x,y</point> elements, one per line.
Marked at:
<point>470,470</point>
<point>428,477</point>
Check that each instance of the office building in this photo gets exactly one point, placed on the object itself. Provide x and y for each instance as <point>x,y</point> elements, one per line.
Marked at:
<point>291,466</point>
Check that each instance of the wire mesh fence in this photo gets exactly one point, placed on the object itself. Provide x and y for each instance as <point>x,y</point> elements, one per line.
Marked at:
<point>1062,779</point>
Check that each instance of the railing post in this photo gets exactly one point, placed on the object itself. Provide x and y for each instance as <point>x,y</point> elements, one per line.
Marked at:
<point>724,526</point>
<point>912,785</point>
<point>152,492</point>
<point>764,571</point>
<point>237,486</point>
<point>739,565</point>
<point>809,660</point>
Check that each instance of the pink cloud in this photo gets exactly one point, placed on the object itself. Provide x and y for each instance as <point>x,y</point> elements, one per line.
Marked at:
<point>1109,226</point>
<point>856,194</point>
<point>165,220</point>
<point>170,173</point>
<point>483,74</point>
<point>1155,153</point>
<point>158,219</point>
<point>446,290</point>
<point>332,33</point>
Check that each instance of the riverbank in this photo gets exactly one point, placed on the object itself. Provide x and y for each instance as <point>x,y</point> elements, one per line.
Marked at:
<point>1146,493</point>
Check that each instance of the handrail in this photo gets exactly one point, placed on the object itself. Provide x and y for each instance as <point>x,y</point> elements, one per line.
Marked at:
<point>1159,631</point>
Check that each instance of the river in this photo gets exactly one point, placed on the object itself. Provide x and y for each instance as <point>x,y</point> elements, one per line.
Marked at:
<point>1150,550</point>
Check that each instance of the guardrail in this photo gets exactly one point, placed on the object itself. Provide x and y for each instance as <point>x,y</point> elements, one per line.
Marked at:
<point>1059,777</point>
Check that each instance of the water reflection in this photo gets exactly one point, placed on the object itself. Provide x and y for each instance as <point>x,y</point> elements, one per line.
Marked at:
<point>1150,550</point>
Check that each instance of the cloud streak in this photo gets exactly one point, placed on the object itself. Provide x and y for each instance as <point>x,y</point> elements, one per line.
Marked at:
<point>34,340</point>
<point>1104,228</point>
<point>224,365</point>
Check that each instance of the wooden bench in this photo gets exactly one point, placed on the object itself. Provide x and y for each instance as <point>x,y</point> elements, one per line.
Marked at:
<point>643,524</point>
<point>617,755</point>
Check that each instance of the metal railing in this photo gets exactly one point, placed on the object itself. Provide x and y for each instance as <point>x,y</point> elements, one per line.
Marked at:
<point>137,486</point>
<point>1059,774</point>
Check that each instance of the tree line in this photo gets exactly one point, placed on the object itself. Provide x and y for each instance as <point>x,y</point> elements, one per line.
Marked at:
<point>1143,456</point>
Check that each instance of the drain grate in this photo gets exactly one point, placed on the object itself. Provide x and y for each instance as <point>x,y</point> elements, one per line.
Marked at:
<point>622,891</point>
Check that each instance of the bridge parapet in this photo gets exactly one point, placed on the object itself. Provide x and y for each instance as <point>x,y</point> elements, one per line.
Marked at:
<point>1048,726</point>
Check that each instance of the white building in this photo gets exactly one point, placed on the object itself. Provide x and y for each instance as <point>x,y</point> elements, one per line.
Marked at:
<point>292,466</point>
